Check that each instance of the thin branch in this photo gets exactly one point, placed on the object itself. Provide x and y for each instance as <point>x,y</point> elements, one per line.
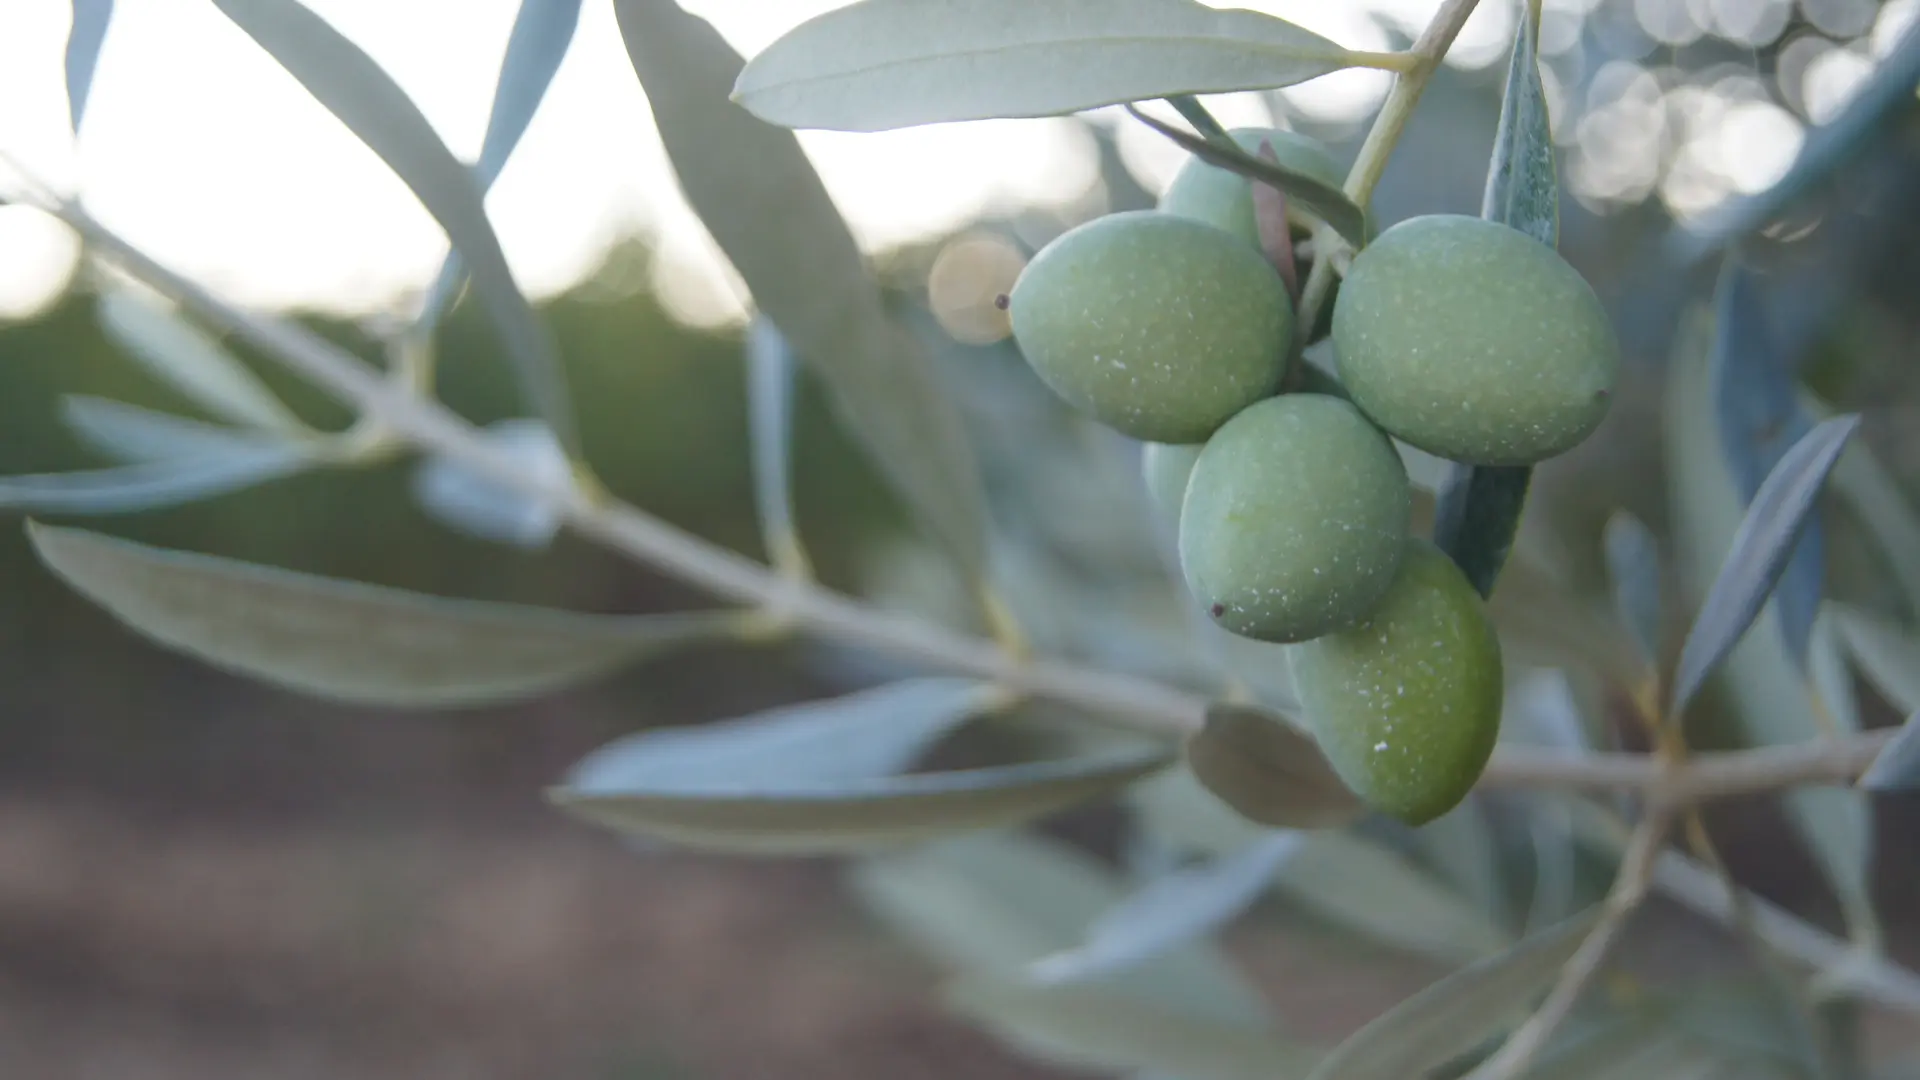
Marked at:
<point>1629,890</point>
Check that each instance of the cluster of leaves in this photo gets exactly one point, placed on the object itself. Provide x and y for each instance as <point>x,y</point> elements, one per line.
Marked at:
<point>1060,954</point>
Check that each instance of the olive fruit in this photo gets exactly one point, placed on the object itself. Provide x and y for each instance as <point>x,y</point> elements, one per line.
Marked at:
<point>1166,467</point>
<point>1406,703</point>
<point>1473,341</point>
<point>1157,326</point>
<point>1295,519</point>
<point>1224,199</point>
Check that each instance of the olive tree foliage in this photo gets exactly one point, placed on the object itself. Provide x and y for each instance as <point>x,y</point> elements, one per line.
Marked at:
<point>1437,797</point>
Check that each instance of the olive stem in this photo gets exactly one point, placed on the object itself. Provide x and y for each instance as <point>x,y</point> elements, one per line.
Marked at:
<point>1629,889</point>
<point>1142,705</point>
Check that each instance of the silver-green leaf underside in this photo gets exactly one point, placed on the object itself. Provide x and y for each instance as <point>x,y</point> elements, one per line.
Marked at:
<point>1269,771</point>
<point>1453,1015</point>
<point>350,641</point>
<point>366,99</point>
<point>883,64</point>
<point>189,359</point>
<point>767,210</point>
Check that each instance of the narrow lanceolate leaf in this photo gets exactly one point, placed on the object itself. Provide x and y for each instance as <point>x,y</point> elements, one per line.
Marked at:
<point>810,746</point>
<point>1456,1013</point>
<point>88,33</point>
<point>134,434</point>
<point>1374,891</point>
<point>993,903</point>
<point>1898,766</point>
<point>1757,405</point>
<point>152,485</point>
<point>1086,1027</point>
<point>478,506</point>
<point>193,363</point>
<point>347,640</point>
<point>770,384</point>
<point>1479,507</point>
<point>366,99</point>
<point>1324,201</point>
<point>1633,569</point>
<point>1175,909</point>
<point>821,818</point>
<point>542,31</point>
<point>1887,654</point>
<point>768,211</point>
<point>883,64</point>
<point>1269,771</point>
<point>1759,553</point>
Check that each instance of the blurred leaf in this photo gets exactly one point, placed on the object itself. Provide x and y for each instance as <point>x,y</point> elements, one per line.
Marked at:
<point>1169,911</point>
<point>473,504</point>
<point>131,433</point>
<point>1268,770</point>
<point>367,100</point>
<point>1758,553</point>
<point>1453,1015</point>
<point>1828,151</point>
<point>542,32</point>
<point>1478,514</point>
<point>1767,690</point>
<point>1461,846</point>
<point>1759,417</point>
<point>1887,654</point>
<point>177,351</point>
<point>814,745</point>
<point>1542,707</point>
<point>1633,568</point>
<point>814,818</point>
<point>1089,1028</point>
<point>87,34</point>
<point>1322,200</point>
<point>1523,188</point>
<point>348,640</point>
<point>770,380</point>
<point>1544,622</point>
<point>991,904</point>
<point>882,64</point>
<point>1863,482</point>
<point>1898,766</point>
<point>1831,677</point>
<point>1176,809</point>
<point>152,485</point>
<point>768,211</point>
<point>1377,892</point>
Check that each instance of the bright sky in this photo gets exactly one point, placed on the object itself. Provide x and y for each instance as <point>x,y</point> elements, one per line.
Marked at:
<point>198,148</point>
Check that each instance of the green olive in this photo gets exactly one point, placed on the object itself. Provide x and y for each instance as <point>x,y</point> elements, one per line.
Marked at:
<point>1157,326</point>
<point>1224,199</point>
<point>1406,703</point>
<point>1166,467</point>
<point>1474,342</point>
<point>1295,519</point>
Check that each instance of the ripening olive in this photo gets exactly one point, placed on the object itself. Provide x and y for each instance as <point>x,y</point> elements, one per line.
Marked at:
<point>1295,519</point>
<point>1166,468</point>
<point>1224,199</point>
<point>1473,341</point>
<point>1406,703</point>
<point>1155,325</point>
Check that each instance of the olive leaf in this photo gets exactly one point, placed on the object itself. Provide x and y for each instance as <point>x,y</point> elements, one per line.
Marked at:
<point>542,32</point>
<point>1633,569</point>
<point>134,433</point>
<point>770,386</point>
<point>366,99</point>
<point>1864,484</point>
<point>1897,768</point>
<point>474,504</point>
<point>881,64</point>
<point>1759,552</point>
<point>1171,910</point>
<point>1269,771</point>
<point>87,33</point>
<point>1887,654</point>
<point>192,362</point>
<point>347,640</point>
<point>1478,513</point>
<point>1453,1015</point>
<point>1082,1027</point>
<point>1759,416</point>
<point>1325,201</point>
<point>768,211</point>
<point>153,485</point>
<point>714,807</point>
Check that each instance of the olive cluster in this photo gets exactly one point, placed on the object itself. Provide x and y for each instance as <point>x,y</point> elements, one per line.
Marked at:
<point>1460,336</point>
